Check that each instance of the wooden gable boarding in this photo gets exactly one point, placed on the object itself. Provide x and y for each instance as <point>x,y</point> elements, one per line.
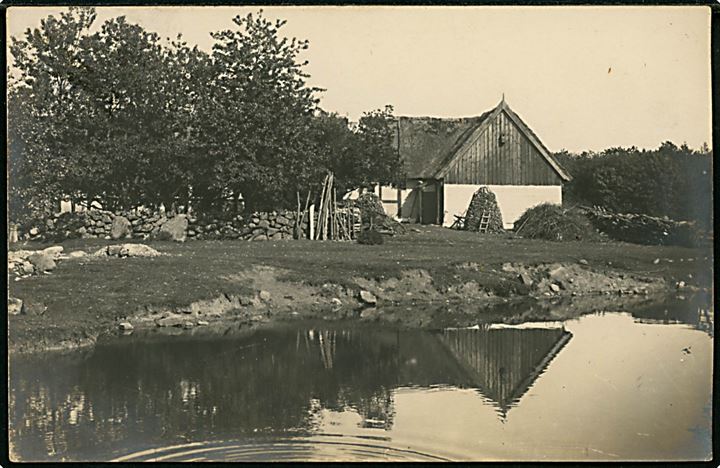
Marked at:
<point>501,151</point>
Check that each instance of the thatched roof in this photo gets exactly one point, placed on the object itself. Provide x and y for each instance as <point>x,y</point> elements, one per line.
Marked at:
<point>427,144</point>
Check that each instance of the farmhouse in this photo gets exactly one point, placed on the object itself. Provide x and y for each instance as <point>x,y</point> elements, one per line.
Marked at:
<point>447,160</point>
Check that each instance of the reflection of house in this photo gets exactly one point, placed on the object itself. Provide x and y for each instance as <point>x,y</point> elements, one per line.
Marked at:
<point>447,160</point>
<point>504,363</point>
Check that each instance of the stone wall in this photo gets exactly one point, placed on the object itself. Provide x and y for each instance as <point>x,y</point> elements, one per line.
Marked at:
<point>148,224</point>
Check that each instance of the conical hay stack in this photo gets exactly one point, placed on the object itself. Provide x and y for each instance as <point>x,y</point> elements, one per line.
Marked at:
<point>483,201</point>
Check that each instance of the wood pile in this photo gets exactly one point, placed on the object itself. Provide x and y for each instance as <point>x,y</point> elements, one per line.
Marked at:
<point>483,202</point>
<point>373,216</point>
<point>644,229</point>
<point>333,221</point>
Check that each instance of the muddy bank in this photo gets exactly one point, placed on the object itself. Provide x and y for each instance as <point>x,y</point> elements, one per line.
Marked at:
<point>552,291</point>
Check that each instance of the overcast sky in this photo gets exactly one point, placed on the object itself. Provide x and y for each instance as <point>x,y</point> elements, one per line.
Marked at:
<point>581,77</point>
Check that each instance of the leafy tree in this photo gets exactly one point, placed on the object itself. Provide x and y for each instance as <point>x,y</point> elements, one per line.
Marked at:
<point>670,181</point>
<point>256,120</point>
<point>378,159</point>
<point>44,102</point>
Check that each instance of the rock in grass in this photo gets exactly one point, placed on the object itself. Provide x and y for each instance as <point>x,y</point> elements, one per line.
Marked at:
<point>554,287</point>
<point>582,261</point>
<point>42,262</point>
<point>367,297</point>
<point>53,251</point>
<point>27,268</point>
<point>77,254</point>
<point>265,296</point>
<point>120,228</point>
<point>202,323</point>
<point>138,250</point>
<point>15,306</point>
<point>103,252</point>
<point>126,326</point>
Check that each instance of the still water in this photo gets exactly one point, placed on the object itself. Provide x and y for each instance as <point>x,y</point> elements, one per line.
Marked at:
<point>612,386</point>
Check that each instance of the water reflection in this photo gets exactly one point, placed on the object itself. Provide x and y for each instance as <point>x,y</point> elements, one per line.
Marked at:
<point>137,393</point>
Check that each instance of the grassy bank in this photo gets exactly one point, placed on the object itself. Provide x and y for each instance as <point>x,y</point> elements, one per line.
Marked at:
<point>85,297</point>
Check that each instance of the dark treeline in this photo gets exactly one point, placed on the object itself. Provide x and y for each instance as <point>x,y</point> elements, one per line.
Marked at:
<point>673,181</point>
<point>117,114</point>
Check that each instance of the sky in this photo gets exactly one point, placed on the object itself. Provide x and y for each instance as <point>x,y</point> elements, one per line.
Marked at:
<point>583,78</point>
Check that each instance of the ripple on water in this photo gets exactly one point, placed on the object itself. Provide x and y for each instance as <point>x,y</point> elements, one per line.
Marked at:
<point>317,448</point>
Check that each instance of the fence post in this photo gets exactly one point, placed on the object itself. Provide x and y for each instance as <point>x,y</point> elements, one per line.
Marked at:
<point>311,215</point>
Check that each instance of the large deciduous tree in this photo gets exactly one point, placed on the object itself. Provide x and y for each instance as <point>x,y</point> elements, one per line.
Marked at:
<point>256,121</point>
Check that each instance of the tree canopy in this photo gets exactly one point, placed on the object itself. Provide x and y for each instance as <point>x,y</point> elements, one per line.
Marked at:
<point>673,181</point>
<point>115,113</point>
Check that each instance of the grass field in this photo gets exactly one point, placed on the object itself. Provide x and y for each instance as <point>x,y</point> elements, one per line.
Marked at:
<point>83,297</point>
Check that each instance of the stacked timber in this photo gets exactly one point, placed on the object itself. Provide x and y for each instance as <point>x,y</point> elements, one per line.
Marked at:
<point>333,222</point>
<point>484,203</point>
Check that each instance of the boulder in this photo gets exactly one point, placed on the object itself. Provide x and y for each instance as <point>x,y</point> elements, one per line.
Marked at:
<point>367,297</point>
<point>137,250</point>
<point>114,250</point>
<point>525,279</point>
<point>34,231</point>
<point>19,255</point>
<point>53,251</point>
<point>282,220</point>
<point>15,306</point>
<point>260,237</point>
<point>27,268</point>
<point>170,321</point>
<point>176,228</point>
<point>554,287</point>
<point>126,326</point>
<point>265,296</point>
<point>77,254</point>
<point>121,227</point>
<point>264,224</point>
<point>42,262</point>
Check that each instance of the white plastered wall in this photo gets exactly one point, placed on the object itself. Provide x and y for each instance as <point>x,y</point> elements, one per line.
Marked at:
<point>513,200</point>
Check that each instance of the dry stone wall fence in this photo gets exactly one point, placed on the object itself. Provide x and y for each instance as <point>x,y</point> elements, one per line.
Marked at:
<point>143,224</point>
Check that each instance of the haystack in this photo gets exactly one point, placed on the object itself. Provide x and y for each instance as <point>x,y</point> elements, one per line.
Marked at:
<point>483,202</point>
<point>553,222</point>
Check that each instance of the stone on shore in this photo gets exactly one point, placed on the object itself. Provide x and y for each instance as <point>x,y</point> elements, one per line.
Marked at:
<point>367,297</point>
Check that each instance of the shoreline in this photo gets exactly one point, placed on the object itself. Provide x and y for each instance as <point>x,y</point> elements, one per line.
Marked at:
<point>430,279</point>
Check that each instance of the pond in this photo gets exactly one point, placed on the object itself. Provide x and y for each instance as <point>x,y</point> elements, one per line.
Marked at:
<point>610,386</point>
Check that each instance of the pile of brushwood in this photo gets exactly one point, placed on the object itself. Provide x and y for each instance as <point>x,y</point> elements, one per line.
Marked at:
<point>483,202</point>
<point>373,216</point>
<point>553,222</point>
<point>644,229</point>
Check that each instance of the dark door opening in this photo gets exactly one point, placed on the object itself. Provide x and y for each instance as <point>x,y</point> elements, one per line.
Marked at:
<point>429,203</point>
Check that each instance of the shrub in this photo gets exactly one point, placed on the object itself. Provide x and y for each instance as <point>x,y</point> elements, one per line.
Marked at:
<point>555,223</point>
<point>370,237</point>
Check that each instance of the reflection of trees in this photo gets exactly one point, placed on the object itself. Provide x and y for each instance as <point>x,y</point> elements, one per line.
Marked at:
<point>144,392</point>
<point>696,311</point>
<point>138,393</point>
